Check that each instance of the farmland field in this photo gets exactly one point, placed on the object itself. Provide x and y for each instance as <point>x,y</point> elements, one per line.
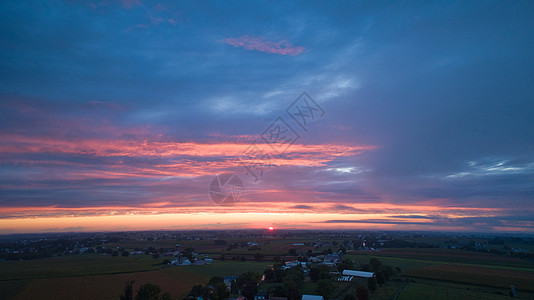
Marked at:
<point>416,291</point>
<point>423,273</point>
<point>477,275</point>
<point>456,256</point>
<point>457,272</point>
<point>76,277</point>
<point>75,265</point>
<point>177,281</point>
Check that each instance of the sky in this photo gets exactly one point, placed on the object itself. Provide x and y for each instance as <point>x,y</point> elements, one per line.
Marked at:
<point>375,115</point>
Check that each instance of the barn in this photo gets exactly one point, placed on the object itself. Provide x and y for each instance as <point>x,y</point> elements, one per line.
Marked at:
<point>362,274</point>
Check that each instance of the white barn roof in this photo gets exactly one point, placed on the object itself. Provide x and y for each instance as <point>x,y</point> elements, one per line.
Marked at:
<point>312,297</point>
<point>358,273</point>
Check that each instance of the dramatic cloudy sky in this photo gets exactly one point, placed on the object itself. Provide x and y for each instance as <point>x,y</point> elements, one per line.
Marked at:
<point>117,115</point>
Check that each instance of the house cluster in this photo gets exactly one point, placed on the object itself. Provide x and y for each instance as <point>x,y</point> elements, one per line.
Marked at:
<point>328,259</point>
<point>295,263</point>
<point>182,260</point>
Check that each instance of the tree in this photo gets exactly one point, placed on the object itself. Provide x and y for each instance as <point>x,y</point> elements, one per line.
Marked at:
<point>375,264</point>
<point>249,277</point>
<point>371,284</point>
<point>269,274</point>
<point>362,293</point>
<point>388,271</point>
<point>325,287</point>
<point>216,279</point>
<point>278,273</point>
<point>349,297</point>
<point>345,264</point>
<point>249,290</point>
<point>293,251</point>
<point>220,291</point>
<point>315,273</point>
<point>249,284</point>
<point>166,296</point>
<point>294,274</point>
<point>148,291</point>
<point>277,291</point>
<point>325,272</point>
<point>321,272</point>
<point>200,291</point>
<point>291,289</point>
<point>233,287</point>
<point>258,256</point>
<point>381,278</point>
<point>125,253</point>
<point>496,241</point>
<point>128,291</point>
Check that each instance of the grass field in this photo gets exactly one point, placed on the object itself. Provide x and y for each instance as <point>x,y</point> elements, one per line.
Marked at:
<point>177,281</point>
<point>75,265</point>
<point>457,256</point>
<point>387,291</point>
<point>477,275</point>
<point>415,291</point>
<point>65,282</point>
<point>461,274</point>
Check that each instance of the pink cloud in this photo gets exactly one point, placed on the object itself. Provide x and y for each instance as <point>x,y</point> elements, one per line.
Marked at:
<point>202,158</point>
<point>260,44</point>
<point>130,3</point>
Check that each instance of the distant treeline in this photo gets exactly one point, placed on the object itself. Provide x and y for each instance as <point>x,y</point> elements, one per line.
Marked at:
<point>45,248</point>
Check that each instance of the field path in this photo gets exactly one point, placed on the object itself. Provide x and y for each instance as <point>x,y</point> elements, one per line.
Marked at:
<point>400,290</point>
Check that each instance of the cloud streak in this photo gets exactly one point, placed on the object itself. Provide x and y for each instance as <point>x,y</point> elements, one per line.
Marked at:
<point>260,44</point>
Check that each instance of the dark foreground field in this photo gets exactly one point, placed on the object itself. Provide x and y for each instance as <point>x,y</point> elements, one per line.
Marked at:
<point>103,277</point>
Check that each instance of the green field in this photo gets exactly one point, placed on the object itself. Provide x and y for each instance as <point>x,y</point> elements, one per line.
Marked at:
<point>422,291</point>
<point>76,265</point>
<point>103,277</point>
<point>475,275</point>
